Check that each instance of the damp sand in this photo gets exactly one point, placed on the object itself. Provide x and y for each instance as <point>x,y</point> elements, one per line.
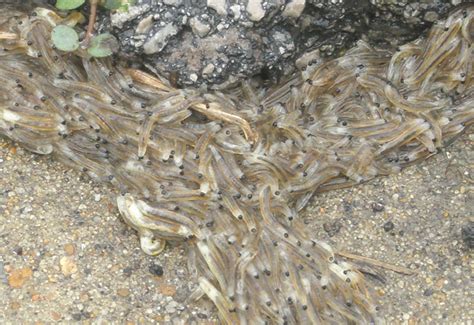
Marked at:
<point>86,264</point>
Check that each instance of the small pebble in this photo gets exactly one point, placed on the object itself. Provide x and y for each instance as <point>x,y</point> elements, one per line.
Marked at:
<point>377,207</point>
<point>467,233</point>
<point>68,265</point>
<point>332,228</point>
<point>123,292</point>
<point>388,226</point>
<point>156,269</point>
<point>18,250</point>
<point>77,316</point>
<point>69,249</point>
<point>127,271</point>
<point>18,277</point>
<point>428,292</point>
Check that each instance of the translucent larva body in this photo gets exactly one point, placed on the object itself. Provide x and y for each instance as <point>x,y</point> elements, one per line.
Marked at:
<point>227,171</point>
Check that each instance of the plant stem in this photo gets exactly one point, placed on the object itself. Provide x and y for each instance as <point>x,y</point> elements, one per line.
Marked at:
<point>92,17</point>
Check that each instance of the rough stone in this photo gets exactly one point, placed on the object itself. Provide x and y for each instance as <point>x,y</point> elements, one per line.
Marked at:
<point>255,10</point>
<point>18,277</point>
<point>388,226</point>
<point>294,8</point>
<point>68,265</point>
<point>243,38</point>
<point>198,27</point>
<point>468,234</point>
<point>156,269</point>
<point>218,5</point>
<point>158,41</point>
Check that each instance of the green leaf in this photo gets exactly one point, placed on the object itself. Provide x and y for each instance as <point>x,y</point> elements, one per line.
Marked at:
<point>69,4</point>
<point>65,38</point>
<point>111,4</point>
<point>126,5</point>
<point>103,45</point>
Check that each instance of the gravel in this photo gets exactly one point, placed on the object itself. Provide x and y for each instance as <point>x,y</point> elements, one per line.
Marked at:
<point>218,42</point>
<point>66,255</point>
<point>426,209</point>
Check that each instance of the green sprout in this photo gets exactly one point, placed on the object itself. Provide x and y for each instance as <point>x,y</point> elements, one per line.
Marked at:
<point>69,4</point>
<point>66,39</point>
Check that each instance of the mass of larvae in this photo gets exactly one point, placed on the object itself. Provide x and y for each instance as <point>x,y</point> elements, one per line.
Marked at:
<point>226,172</point>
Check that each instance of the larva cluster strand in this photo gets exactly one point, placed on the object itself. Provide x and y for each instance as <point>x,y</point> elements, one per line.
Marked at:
<point>227,172</point>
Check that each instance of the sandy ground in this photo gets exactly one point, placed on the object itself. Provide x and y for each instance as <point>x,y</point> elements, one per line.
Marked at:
<point>66,256</point>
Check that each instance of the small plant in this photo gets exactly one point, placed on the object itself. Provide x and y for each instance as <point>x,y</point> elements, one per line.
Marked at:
<point>65,38</point>
<point>69,4</point>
